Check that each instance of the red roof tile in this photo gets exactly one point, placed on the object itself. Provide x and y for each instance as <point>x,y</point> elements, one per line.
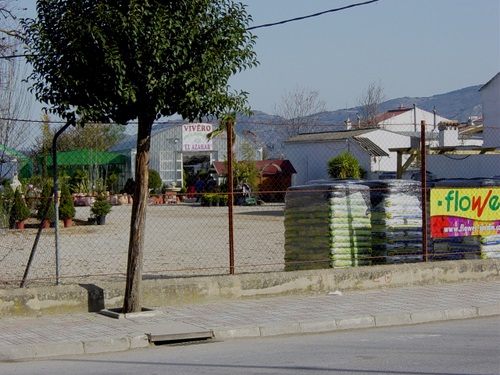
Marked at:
<point>266,167</point>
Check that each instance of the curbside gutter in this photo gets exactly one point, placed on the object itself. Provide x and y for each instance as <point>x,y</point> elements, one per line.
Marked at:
<point>38,301</point>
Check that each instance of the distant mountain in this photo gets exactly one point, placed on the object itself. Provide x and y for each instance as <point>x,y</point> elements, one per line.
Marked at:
<point>454,105</point>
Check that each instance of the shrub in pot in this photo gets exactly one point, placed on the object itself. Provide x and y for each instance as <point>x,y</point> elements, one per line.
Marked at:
<point>100,209</point>
<point>5,208</point>
<point>46,211</point>
<point>19,211</point>
<point>67,206</point>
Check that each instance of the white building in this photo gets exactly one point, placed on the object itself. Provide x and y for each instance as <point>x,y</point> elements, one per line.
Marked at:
<point>491,111</point>
<point>179,147</point>
<point>409,119</point>
<point>472,165</point>
<point>309,153</point>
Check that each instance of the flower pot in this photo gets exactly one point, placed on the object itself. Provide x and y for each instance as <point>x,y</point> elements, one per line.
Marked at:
<point>100,220</point>
<point>19,224</point>
<point>68,223</point>
<point>46,224</point>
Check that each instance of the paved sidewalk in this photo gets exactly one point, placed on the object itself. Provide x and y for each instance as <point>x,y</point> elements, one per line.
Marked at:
<point>29,338</point>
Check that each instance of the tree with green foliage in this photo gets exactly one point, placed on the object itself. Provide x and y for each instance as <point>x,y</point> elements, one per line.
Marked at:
<point>154,180</point>
<point>344,166</point>
<point>46,205</point>
<point>67,206</point>
<point>121,60</point>
<point>91,136</point>
<point>20,210</point>
<point>6,206</point>
<point>101,206</point>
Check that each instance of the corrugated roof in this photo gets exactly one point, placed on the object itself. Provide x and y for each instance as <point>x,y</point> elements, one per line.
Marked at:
<point>370,146</point>
<point>330,136</point>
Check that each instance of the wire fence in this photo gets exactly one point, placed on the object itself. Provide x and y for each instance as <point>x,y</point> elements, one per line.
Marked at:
<point>289,213</point>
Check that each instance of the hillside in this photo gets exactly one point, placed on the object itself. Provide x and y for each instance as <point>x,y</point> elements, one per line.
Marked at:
<point>454,105</point>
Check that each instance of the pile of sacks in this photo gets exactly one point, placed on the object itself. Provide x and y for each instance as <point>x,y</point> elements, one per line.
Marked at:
<point>327,224</point>
<point>396,221</point>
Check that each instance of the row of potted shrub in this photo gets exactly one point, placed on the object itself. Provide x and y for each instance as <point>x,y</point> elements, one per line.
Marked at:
<point>212,199</point>
<point>19,211</point>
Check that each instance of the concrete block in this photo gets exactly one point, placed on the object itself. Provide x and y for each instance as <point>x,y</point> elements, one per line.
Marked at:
<point>318,326</point>
<point>392,319</point>
<point>361,322</point>
<point>106,345</point>
<point>140,341</point>
<point>230,333</point>
<point>427,316</point>
<point>488,310</point>
<point>461,313</point>
<point>17,353</point>
<point>279,329</point>
<point>53,349</point>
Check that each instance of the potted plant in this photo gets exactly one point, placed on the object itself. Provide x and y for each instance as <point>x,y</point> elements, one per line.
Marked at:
<point>6,206</point>
<point>19,211</point>
<point>45,211</point>
<point>67,207</point>
<point>182,193</point>
<point>224,198</point>
<point>100,209</point>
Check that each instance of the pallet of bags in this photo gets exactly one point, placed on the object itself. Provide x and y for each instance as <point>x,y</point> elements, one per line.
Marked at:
<point>490,247</point>
<point>396,221</point>
<point>328,220</point>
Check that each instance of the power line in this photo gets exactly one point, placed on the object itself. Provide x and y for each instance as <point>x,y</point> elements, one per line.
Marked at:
<point>310,15</point>
<point>261,26</point>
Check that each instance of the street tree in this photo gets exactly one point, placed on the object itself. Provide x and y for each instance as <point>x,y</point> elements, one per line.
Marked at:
<point>120,60</point>
<point>369,103</point>
<point>91,136</point>
<point>299,108</point>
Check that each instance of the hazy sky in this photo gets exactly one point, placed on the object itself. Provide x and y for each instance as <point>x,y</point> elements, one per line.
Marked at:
<point>413,47</point>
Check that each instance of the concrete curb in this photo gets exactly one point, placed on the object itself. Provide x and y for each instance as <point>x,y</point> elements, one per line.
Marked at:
<point>63,348</point>
<point>130,342</point>
<point>370,321</point>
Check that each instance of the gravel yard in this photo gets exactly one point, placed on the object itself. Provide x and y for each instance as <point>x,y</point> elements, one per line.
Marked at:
<point>181,240</point>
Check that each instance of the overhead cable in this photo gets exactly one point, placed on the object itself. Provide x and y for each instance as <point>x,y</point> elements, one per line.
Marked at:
<point>310,15</point>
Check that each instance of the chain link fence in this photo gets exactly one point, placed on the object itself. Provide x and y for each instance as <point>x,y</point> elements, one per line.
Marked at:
<point>289,214</point>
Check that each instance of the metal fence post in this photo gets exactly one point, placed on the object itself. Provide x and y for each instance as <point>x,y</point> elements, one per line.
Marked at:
<point>423,179</point>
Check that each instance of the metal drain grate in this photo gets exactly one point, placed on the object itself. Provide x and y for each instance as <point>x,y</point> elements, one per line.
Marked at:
<point>167,338</point>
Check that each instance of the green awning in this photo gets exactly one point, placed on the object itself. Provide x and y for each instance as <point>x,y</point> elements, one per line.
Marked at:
<point>86,157</point>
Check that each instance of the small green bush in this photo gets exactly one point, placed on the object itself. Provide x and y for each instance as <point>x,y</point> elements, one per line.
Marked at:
<point>67,206</point>
<point>154,180</point>
<point>46,206</point>
<point>101,206</point>
<point>19,211</point>
<point>344,166</point>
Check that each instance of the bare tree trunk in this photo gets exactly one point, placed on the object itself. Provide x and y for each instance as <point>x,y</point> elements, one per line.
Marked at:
<point>132,302</point>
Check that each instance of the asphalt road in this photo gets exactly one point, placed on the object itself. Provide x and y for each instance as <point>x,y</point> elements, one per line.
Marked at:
<point>456,347</point>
